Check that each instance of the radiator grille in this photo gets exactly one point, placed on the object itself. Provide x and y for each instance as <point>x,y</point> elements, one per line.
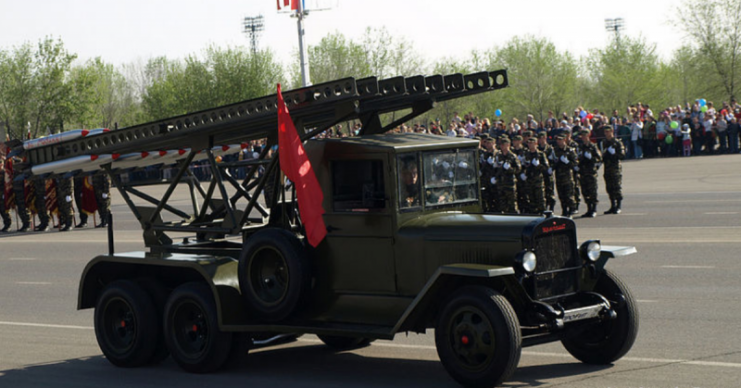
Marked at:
<point>555,251</point>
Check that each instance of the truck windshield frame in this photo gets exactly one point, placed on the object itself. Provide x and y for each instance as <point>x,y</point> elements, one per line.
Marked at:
<point>450,177</point>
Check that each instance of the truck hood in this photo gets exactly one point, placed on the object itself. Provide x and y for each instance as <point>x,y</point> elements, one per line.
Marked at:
<point>458,226</point>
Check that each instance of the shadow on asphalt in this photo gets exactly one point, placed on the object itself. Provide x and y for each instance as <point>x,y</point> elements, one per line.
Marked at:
<point>298,366</point>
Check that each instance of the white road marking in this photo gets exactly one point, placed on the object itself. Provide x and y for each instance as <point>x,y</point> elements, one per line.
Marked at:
<point>689,266</point>
<point>34,283</point>
<point>633,214</point>
<point>46,325</point>
<point>719,213</point>
<point>693,201</point>
<point>646,301</point>
<point>22,259</point>
<point>428,347</point>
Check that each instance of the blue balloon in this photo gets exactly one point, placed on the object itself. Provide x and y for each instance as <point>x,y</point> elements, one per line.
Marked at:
<point>498,112</point>
<point>703,102</point>
<point>583,114</point>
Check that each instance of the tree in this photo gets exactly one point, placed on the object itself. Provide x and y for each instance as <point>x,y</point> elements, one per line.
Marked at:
<point>624,73</point>
<point>541,77</point>
<point>16,89</point>
<point>51,106</point>
<point>714,30</point>
<point>333,58</point>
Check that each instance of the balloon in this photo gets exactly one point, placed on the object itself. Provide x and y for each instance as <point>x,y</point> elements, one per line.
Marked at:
<point>704,109</point>
<point>669,139</point>
<point>703,102</point>
<point>589,116</point>
<point>498,112</point>
<point>218,159</point>
<point>661,135</point>
<point>583,114</point>
<point>674,125</point>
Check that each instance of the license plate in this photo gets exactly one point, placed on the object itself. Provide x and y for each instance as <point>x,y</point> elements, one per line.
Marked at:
<point>582,313</point>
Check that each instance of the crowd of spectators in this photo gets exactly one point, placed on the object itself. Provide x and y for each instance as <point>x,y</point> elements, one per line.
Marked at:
<point>696,129</point>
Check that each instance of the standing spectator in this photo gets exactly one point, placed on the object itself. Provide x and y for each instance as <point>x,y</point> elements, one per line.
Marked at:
<point>697,135</point>
<point>721,126</point>
<point>708,124</point>
<point>686,140</point>
<point>624,134</point>
<point>636,137</point>
<point>733,130</point>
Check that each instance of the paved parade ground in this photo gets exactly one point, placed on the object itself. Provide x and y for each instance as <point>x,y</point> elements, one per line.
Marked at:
<point>682,214</point>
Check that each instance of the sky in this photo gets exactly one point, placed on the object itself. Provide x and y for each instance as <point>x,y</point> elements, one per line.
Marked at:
<point>126,31</point>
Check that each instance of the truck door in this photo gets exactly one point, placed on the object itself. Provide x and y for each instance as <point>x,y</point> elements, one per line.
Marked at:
<point>359,226</point>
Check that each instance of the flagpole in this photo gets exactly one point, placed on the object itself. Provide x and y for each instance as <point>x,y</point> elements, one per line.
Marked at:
<point>305,81</point>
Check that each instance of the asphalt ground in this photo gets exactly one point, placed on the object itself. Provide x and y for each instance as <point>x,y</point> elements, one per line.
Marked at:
<point>683,215</point>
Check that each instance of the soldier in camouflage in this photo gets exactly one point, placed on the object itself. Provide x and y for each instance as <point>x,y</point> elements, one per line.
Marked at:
<point>488,175</point>
<point>20,200</point>
<point>548,181</point>
<point>519,150</point>
<point>39,187</point>
<point>507,167</point>
<point>534,166</point>
<point>7,220</point>
<point>590,160</point>
<point>102,188</point>
<point>613,151</point>
<point>565,162</point>
<point>577,189</point>
<point>65,190</point>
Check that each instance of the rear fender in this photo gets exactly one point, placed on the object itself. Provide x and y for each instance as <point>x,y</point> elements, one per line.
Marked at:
<point>160,275</point>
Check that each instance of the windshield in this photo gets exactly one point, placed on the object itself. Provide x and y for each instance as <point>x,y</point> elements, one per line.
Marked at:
<point>449,177</point>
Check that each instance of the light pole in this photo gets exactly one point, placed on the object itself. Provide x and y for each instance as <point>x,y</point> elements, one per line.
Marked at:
<point>254,26</point>
<point>303,54</point>
<point>614,26</point>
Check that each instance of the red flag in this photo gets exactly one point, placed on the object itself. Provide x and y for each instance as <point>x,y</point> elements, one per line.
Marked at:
<point>286,2</point>
<point>294,4</point>
<point>89,206</point>
<point>51,197</point>
<point>297,167</point>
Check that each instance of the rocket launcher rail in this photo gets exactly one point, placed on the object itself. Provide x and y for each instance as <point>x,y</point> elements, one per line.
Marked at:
<point>310,107</point>
<point>260,197</point>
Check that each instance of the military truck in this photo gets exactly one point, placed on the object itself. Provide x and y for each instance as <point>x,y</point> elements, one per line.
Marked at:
<point>408,247</point>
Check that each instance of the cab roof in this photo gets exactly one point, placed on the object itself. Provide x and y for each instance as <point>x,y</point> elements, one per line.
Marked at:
<point>398,142</point>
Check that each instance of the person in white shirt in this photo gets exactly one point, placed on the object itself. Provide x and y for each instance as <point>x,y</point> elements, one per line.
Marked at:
<point>707,124</point>
<point>721,126</point>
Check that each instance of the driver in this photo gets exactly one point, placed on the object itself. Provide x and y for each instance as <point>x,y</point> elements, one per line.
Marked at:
<point>410,184</point>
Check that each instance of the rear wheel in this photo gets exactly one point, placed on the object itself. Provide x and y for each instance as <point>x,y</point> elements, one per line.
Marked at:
<point>478,337</point>
<point>606,341</point>
<point>192,332</point>
<point>344,343</point>
<point>126,324</point>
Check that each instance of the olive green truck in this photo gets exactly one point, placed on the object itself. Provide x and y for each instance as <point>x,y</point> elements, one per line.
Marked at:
<point>408,247</point>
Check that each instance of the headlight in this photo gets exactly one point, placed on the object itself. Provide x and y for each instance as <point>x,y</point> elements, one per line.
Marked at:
<point>527,260</point>
<point>591,250</point>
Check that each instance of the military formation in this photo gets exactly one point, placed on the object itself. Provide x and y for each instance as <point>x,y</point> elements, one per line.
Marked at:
<point>523,174</point>
<point>45,197</point>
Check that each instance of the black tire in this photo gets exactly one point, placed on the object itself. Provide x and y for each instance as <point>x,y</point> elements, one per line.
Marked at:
<point>192,331</point>
<point>344,343</point>
<point>274,274</point>
<point>126,324</point>
<point>478,337</point>
<point>604,342</point>
<point>158,294</point>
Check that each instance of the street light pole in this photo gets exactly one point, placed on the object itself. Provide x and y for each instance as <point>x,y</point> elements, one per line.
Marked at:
<point>300,15</point>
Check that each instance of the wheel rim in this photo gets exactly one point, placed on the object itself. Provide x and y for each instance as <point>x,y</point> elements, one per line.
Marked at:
<point>472,338</point>
<point>191,329</point>
<point>119,325</point>
<point>269,276</point>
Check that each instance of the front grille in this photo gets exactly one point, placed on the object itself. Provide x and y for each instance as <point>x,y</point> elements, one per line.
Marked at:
<point>548,285</point>
<point>558,269</point>
<point>555,251</point>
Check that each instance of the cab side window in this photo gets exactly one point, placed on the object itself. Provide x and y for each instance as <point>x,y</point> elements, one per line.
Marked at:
<point>409,183</point>
<point>357,186</point>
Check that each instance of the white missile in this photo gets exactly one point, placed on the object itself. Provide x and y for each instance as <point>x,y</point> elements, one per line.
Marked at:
<point>61,137</point>
<point>134,159</point>
<point>83,162</point>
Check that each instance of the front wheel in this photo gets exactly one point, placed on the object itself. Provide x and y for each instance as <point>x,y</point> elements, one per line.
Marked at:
<point>192,331</point>
<point>606,341</point>
<point>478,337</point>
